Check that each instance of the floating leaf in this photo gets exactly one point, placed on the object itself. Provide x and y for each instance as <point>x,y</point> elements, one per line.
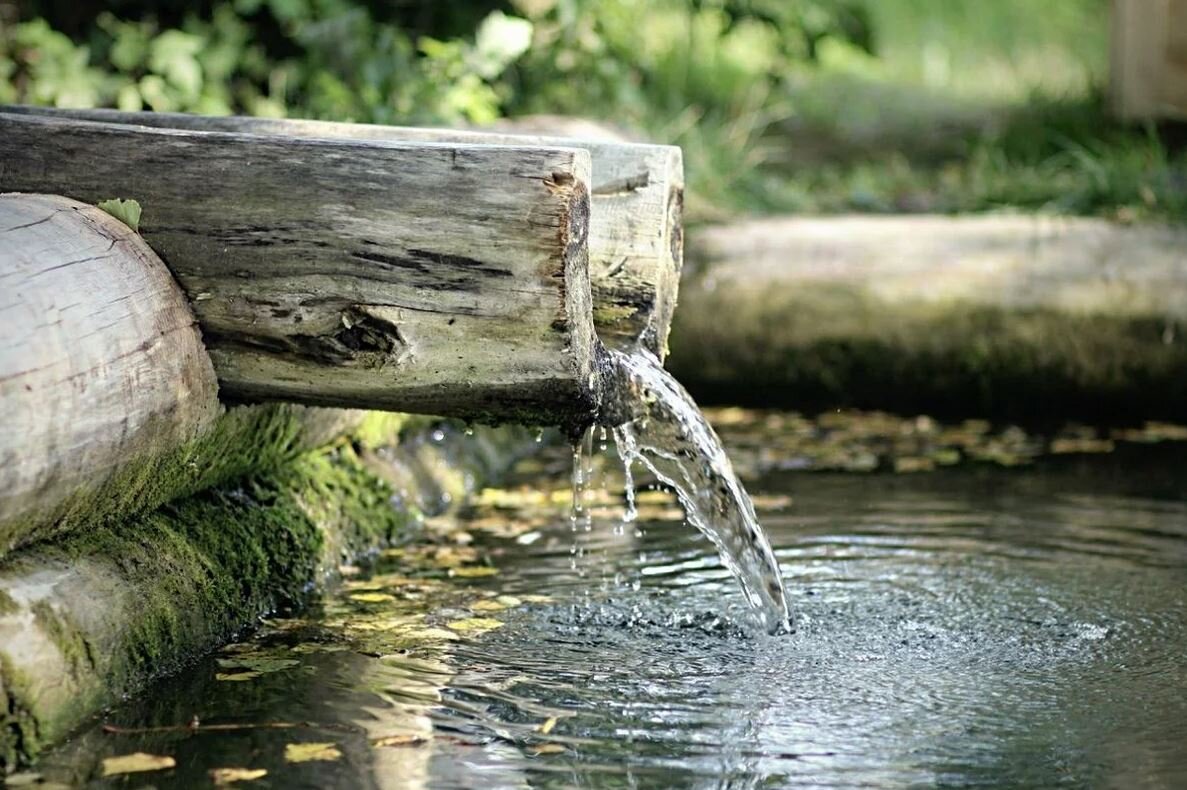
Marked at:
<point>547,748</point>
<point>399,740</point>
<point>229,776</point>
<point>770,501</point>
<point>126,211</point>
<point>318,647</point>
<point>371,597</point>
<point>547,726</point>
<point>538,598</point>
<point>137,762</point>
<point>475,625</point>
<point>237,676</point>
<point>473,571</point>
<point>488,606</point>
<point>259,664</point>
<point>311,752</point>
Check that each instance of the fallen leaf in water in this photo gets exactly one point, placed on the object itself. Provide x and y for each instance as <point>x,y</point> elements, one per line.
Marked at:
<point>1063,446</point>
<point>311,752</point>
<point>138,762</point>
<point>488,606</point>
<point>913,464</point>
<point>547,726</point>
<point>399,740</point>
<point>261,665</point>
<point>318,647</point>
<point>547,748</point>
<point>1152,432</point>
<point>371,597</point>
<point>473,571</point>
<point>770,501</point>
<point>237,676</point>
<point>451,556</point>
<point>229,776</point>
<point>659,497</point>
<point>509,600</point>
<point>538,598</point>
<point>475,625</point>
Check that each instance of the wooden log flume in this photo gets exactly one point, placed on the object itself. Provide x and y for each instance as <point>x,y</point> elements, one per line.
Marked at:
<point>433,278</point>
<point>636,241</point>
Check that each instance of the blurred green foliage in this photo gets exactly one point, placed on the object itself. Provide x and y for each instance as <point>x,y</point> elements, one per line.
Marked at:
<point>803,105</point>
<point>703,73</point>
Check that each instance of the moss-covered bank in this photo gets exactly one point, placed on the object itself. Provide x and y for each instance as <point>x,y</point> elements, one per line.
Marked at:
<point>243,439</point>
<point>99,614</point>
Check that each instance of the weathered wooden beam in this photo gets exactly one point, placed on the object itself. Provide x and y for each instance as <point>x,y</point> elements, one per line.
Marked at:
<point>1022,317</point>
<point>635,231</point>
<point>436,278</point>
<point>1148,59</point>
<point>108,400</point>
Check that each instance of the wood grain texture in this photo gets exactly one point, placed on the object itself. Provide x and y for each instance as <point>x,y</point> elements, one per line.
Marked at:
<point>635,233</point>
<point>1148,59</point>
<point>433,278</point>
<point>1017,317</point>
<point>101,363</point>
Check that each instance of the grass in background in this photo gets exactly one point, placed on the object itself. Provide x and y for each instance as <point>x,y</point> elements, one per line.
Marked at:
<point>970,106</point>
<point>780,105</point>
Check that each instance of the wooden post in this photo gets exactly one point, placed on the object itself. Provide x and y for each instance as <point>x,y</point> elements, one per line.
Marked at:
<point>1148,59</point>
<point>433,278</point>
<point>635,230</point>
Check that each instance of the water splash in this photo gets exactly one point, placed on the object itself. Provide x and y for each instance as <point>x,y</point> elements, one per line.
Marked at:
<point>666,433</point>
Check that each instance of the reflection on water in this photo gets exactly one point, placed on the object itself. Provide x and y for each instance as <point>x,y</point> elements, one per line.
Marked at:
<point>962,627</point>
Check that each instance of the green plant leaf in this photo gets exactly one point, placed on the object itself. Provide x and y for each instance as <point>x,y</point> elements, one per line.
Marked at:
<point>501,39</point>
<point>126,211</point>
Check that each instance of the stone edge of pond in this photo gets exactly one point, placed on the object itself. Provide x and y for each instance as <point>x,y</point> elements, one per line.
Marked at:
<point>1017,317</point>
<point>98,615</point>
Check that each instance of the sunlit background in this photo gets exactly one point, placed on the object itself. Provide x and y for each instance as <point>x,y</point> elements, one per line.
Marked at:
<point>780,105</point>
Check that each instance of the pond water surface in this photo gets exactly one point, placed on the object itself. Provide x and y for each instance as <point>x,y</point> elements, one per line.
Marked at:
<point>970,626</point>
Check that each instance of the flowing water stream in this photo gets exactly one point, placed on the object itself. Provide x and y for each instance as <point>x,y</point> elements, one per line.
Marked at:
<point>669,437</point>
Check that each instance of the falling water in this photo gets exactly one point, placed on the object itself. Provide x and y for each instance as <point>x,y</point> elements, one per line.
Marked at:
<point>666,433</point>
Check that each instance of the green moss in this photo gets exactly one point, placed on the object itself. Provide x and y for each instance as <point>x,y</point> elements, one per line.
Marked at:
<point>380,428</point>
<point>65,636</point>
<point>19,736</point>
<point>7,604</point>
<point>608,315</point>
<point>204,567</point>
<point>244,439</point>
<point>161,587</point>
